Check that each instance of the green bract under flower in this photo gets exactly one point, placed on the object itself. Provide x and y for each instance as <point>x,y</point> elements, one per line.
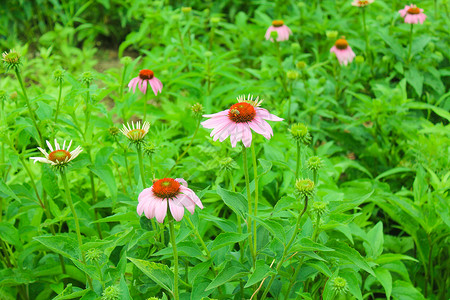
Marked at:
<point>300,133</point>
<point>314,163</point>
<point>111,293</point>
<point>87,78</point>
<point>340,285</point>
<point>12,59</point>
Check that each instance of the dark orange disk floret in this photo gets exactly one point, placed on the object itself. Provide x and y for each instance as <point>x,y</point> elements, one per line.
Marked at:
<point>341,44</point>
<point>146,74</point>
<point>241,112</point>
<point>59,155</point>
<point>413,10</point>
<point>277,23</point>
<point>166,188</point>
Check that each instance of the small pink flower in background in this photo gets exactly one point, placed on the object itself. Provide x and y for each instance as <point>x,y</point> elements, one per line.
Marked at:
<point>237,121</point>
<point>146,78</point>
<point>412,14</point>
<point>343,51</point>
<point>282,30</point>
<point>174,193</point>
<point>362,3</point>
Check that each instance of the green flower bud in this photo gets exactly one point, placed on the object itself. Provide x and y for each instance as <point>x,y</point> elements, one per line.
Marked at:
<point>111,293</point>
<point>314,163</point>
<point>305,187</point>
<point>439,56</point>
<point>292,75</point>
<point>295,46</point>
<point>215,20</point>
<point>150,148</point>
<point>339,285</point>
<point>93,254</point>
<point>332,35</point>
<point>197,110</point>
<point>300,133</point>
<point>126,60</point>
<point>359,59</point>
<point>114,131</point>
<point>319,207</point>
<point>274,34</point>
<point>208,54</point>
<point>3,95</point>
<point>186,10</point>
<point>11,60</point>
<point>300,65</point>
<point>86,78</point>
<point>58,75</point>
<point>431,46</point>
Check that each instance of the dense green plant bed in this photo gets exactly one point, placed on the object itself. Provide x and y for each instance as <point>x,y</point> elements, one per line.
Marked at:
<point>224,150</point>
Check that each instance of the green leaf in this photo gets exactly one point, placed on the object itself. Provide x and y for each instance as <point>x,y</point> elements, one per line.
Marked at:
<point>4,188</point>
<point>328,293</point>
<point>344,251</point>
<point>227,274</point>
<point>124,292</point>
<point>235,201</point>
<point>306,244</point>
<point>391,257</point>
<point>227,238</point>
<point>320,266</point>
<point>415,79</point>
<point>262,270</point>
<point>354,285</point>
<point>61,244</point>
<point>199,288</point>
<point>376,239</point>
<point>159,273</point>
<point>393,171</point>
<point>105,173</point>
<point>10,234</point>
<point>129,216</point>
<point>102,156</point>
<point>274,228</point>
<point>405,291</point>
<point>385,278</point>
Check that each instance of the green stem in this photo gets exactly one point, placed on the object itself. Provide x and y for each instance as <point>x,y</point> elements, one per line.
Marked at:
<point>280,61</point>
<point>291,284</point>
<point>152,172</point>
<point>33,118</point>
<point>88,114</point>
<point>299,159</point>
<point>145,106</point>
<point>186,150</point>
<point>33,185</point>
<point>197,234</point>
<point>100,273</point>
<point>410,43</point>
<point>57,103</point>
<point>316,228</point>
<point>255,174</point>
<point>286,249</point>
<point>316,177</point>
<point>175,257</point>
<point>75,217</point>
<point>125,154</point>
<point>122,80</point>
<point>250,208</point>
<point>369,57</point>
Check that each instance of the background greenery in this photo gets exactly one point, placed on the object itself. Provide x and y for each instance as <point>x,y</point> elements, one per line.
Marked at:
<point>383,136</point>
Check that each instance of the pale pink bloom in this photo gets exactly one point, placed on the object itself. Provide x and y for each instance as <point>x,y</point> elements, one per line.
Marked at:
<point>237,121</point>
<point>362,3</point>
<point>343,51</point>
<point>59,156</point>
<point>412,14</point>
<point>282,30</point>
<point>174,193</point>
<point>146,78</point>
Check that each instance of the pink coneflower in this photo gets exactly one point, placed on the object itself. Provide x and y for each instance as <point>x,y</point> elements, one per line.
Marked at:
<point>237,121</point>
<point>343,51</point>
<point>153,201</point>
<point>282,30</point>
<point>412,14</point>
<point>59,156</point>
<point>362,3</point>
<point>145,78</point>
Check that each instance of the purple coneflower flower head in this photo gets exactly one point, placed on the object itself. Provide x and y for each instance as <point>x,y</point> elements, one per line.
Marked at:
<point>237,121</point>
<point>174,193</point>
<point>362,3</point>
<point>146,78</point>
<point>343,51</point>
<point>58,156</point>
<point>282,30</point>
<point>412,14</point>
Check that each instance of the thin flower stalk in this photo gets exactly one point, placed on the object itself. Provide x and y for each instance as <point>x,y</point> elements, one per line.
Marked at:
<point>175,258</point>
<point>250,205</point>
<point>59,101</point>
<point>75,217</point>
<point>255,174</point>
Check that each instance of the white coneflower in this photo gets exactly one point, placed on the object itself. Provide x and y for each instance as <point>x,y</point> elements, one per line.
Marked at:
<point>59,156</point>
<point>135,133</point>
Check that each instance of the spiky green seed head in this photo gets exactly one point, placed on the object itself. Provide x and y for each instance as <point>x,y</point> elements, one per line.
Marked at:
<point>359,59</point>
<point>305,187</point>
<point>295,46</point>
<point>150,149</point>
<point>339,285</point>
<point>292,75</point>
<point>126,60</point>
<point>58,75</point>
<point>332,34</point>
<point>111,293</point>
<point>93,254</point>
<point>114,131</point>
<point>86,78</point>
<point>11,60</point>
<point>197,110</point>
<point>186,10</point>
<point>300,133</point>
<point>300,65</point>
<point>319,207</point>
<point>215,20</point>
<point>314,163</point>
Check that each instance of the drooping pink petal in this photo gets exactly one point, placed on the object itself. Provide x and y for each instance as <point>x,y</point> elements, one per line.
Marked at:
<point>259,128</point>
<point>182,181</point>
<point>221,113</point>
<point>192,196</point>
<point>247,135</point>
<point>161,210</point>
<point>149,209</point>
<point>216,121</point>
<point>133,83</point>
<point>145,194</point>
<point>177,211</point>
<point>264,114</point>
